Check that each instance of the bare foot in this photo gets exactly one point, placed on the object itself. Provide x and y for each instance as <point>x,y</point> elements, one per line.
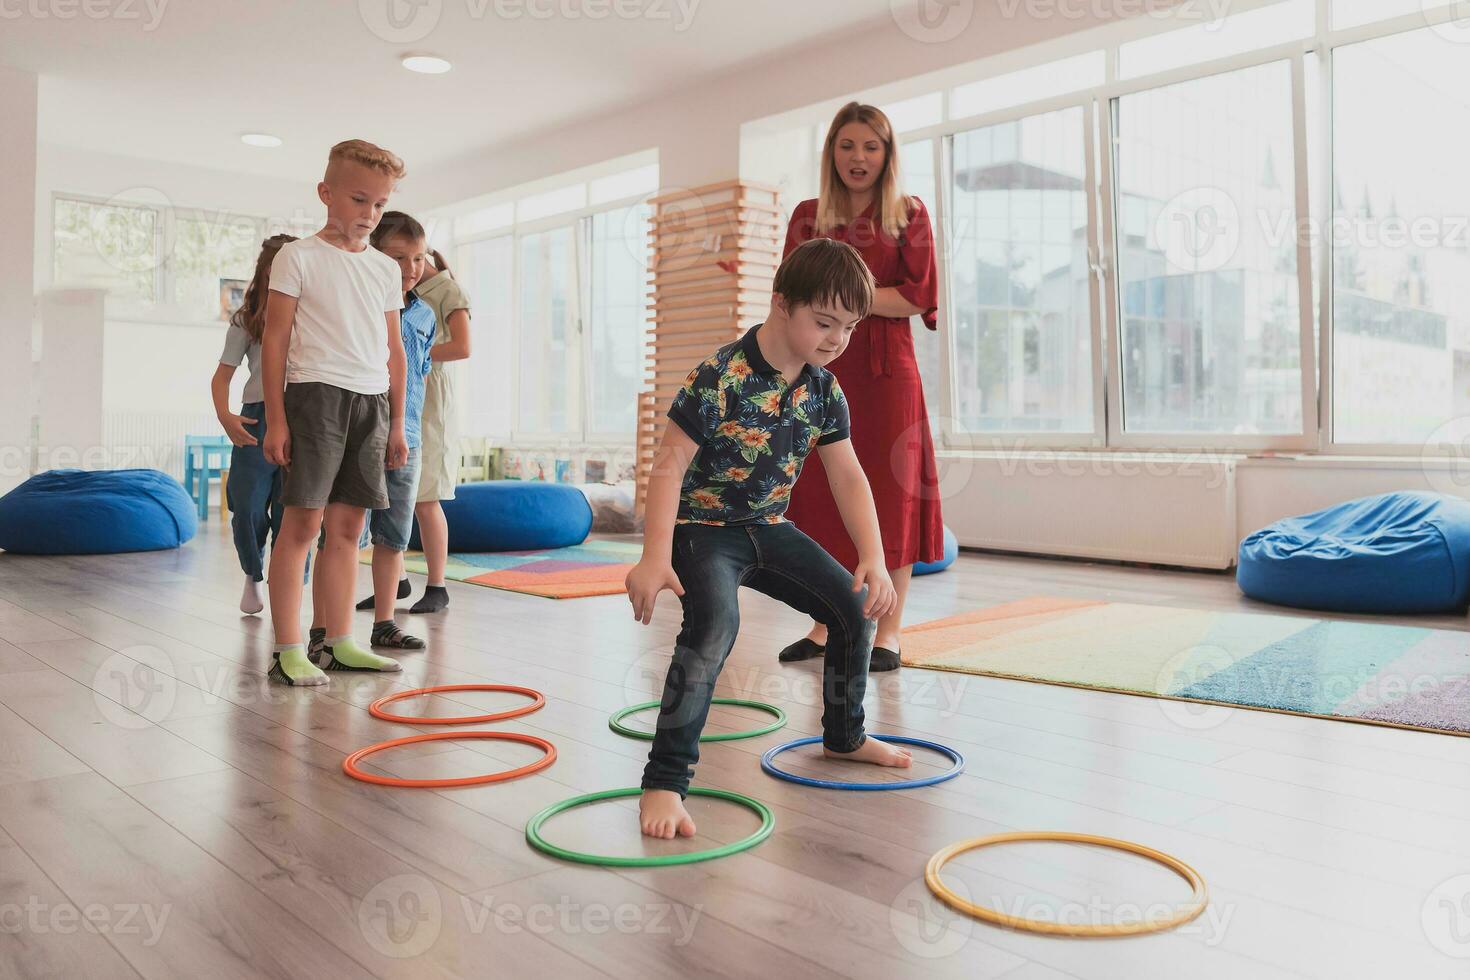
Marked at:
<point>817,634</point>
<point>661,814</point>
<point>876,751</point>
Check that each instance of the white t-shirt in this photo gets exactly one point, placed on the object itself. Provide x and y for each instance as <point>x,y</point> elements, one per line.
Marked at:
<point>340,336</point>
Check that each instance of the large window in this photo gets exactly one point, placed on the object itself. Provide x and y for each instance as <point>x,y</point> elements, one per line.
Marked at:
<point>1401,245</point>
<point>207,248</point>
<point>616,317</point>
<point>1182,232</point>
<point>487,381</point>
<point>1019,300</point>
<point>109,246</point>
<point>156,262</point>
<point>559,279</point>
<point>916,164</point>
<point>1207,258</point>
<point>551,370</point>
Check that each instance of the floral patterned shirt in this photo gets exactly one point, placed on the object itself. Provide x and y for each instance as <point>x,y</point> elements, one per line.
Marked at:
<point>753,429</point>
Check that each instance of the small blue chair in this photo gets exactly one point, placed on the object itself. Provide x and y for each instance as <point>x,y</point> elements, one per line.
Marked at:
<point>205,457</point>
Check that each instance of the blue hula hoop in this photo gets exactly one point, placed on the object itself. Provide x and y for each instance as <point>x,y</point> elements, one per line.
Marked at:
<point>955,770</point>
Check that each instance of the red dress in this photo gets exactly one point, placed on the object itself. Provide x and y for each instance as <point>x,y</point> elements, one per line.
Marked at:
<point>880,376</point>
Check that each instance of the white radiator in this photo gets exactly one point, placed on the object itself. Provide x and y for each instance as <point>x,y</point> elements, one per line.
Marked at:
<point>1162,509</point>
<point>154,440</point>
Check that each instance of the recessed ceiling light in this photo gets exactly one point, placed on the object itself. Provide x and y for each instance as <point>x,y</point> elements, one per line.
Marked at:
<point>260,139</point>
<point>426,64</point>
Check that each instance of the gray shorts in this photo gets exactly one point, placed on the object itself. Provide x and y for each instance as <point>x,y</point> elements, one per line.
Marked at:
<point>391,526</point>
<point>339,444</point>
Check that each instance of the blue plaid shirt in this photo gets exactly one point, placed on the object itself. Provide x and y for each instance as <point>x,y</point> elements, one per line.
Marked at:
<point>417,320</point>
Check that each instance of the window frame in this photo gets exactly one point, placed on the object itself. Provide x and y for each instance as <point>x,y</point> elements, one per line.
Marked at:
<point>1117,435</point>
<point>163,310</point>
<point>579,221</point>
<point>952,436</point>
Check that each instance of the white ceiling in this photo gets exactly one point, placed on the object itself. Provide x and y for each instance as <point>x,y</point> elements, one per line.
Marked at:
<point>182,79</point>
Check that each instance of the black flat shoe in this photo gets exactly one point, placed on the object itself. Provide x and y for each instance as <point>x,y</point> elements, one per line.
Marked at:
<point>802,649</point>
<point>883,659</point>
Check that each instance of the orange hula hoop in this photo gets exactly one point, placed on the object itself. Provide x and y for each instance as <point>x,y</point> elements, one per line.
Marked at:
<point>537,702</point>
<point>349,764</point>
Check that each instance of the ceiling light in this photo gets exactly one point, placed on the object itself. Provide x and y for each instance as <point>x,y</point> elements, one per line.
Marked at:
<point>260,139</point>
<point>426,64</point>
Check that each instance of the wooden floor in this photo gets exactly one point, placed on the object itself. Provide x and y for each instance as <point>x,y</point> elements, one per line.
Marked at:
<point>166,813</point>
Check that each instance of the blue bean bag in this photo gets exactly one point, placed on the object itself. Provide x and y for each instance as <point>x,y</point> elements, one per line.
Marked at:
<point>514,515</point>
<point>1393,553</point>
<point>951,552</point>
<point>101,512</point>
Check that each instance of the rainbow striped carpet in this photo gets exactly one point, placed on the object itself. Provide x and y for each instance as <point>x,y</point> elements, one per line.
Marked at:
<point>1404,676</point>
<point>594,567</point>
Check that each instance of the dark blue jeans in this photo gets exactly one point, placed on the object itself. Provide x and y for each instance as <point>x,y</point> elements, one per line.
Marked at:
<point>254,494</point>
<point>780,561</point>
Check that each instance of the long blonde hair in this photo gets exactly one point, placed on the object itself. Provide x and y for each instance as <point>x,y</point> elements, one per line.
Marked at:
<point>892,204</point>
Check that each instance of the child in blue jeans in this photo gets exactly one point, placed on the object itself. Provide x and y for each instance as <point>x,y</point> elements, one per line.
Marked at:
<point>253,489</point>
<point>744,421</point>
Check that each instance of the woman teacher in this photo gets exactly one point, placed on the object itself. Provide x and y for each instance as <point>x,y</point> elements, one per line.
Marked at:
<point>862,204</point>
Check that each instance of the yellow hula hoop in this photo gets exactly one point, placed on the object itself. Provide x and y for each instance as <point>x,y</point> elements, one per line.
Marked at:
<point>1196,905</point>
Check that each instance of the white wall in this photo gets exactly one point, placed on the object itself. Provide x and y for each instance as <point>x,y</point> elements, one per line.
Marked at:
<point>18,113</point>
<point>1270,489</point>
<point>697,130</point>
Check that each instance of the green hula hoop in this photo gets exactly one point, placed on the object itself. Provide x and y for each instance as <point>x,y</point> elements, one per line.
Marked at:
<point>616,721</point>
<point>534,838</point>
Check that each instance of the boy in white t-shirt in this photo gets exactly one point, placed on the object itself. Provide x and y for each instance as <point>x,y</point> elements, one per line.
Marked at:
<point>333,368</point>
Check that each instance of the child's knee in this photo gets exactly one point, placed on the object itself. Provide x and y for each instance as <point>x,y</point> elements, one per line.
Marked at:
<point>701,652</point>
<point>344,532</point>
<point>847,616</point>
<point>297,531</point>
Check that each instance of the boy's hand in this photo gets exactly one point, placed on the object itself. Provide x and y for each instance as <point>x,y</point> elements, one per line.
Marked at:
<point>882,599</point>
<point>397,448</point>
<point>278,443</point>
<point>234,426</point>
<point>645,582</point>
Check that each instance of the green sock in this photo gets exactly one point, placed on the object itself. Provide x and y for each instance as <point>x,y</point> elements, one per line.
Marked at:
<point>343,654</point>
<point>290,665</point>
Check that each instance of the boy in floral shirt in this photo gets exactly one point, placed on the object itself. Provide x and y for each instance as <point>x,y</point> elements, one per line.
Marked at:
<point>745,420</point>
